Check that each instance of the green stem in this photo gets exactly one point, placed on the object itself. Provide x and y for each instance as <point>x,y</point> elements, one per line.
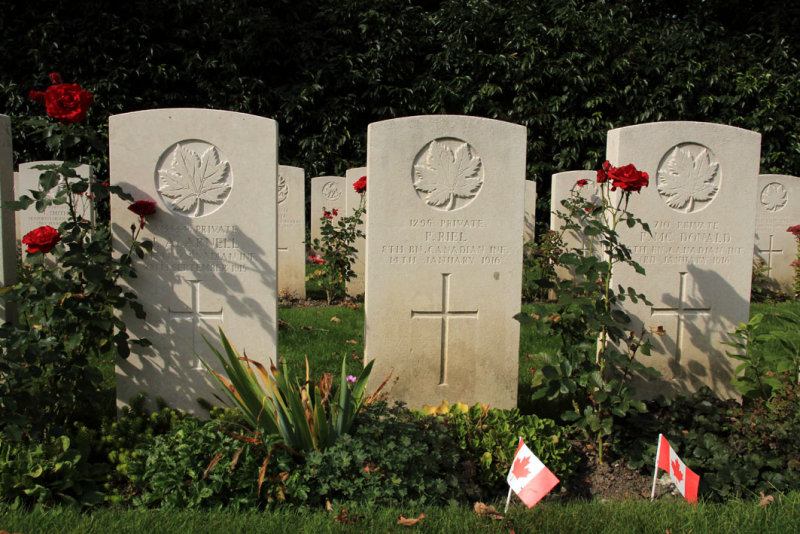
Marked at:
<point>600,449</point>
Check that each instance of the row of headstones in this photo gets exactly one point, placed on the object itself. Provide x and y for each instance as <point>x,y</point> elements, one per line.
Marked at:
<point>710,213</point>
<point>446,203</point>
<point>443,252</point>
<point>326,194</point>
<point>775,206</point>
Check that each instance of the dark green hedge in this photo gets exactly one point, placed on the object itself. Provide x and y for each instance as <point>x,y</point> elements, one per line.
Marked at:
<point>569,70</point>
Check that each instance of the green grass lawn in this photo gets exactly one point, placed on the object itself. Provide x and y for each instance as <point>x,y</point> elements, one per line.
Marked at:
<point>674,516</point>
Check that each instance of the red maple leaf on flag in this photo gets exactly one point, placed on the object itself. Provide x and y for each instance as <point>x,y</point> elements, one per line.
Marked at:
<point>520,468</point>
<point>676,470</point>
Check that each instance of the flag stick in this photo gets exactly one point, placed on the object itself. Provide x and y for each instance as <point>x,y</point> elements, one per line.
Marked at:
<point>508,499</point>
<point>655,471</point>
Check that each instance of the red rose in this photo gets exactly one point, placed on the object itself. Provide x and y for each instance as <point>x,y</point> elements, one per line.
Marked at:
<point>335,212</point>
<point>42,239</point>
<point>67,102</point>
<point>795,230</point>
<point>628,178</point>
<point>143,208</point>
<point>37,96</point>
<point>55,78</point>
<point>313,258</point>
<point>582,182</point>
<point>360,185</point>
<point>602,173</point>
<point>327,214</point>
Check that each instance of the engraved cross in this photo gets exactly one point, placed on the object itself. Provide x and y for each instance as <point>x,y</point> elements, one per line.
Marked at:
<point>195,315</point>
<point>770,250</point>
<point>445,315</point>
<point>679,312</point>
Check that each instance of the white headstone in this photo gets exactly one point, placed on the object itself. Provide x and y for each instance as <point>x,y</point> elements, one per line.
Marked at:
<point>530,212</point>
<point>30,219</point>
<point>562,187</point>
<point>8,249</point>
<point>356,286</point>
<point>327,194</point>
<point>444,257</point>
<point>213,176</point>
<point>701,211</point>
<point>292,231</point>
<point>777,208</point>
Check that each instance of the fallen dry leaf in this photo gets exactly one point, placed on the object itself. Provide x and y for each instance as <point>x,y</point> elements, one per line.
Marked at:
<point>236,458</point>
<point>214,462</point>
<point>487,511</point>
<point>351,341</point>
<point>371,468</point>
<point>342,517</point>
<point>410,522</point>
<point>328,506</point>
<point>335,319</point>
<point>766,499</point>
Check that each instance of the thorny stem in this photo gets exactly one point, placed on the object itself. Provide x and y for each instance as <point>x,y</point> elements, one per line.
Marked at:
<point>607,277</point>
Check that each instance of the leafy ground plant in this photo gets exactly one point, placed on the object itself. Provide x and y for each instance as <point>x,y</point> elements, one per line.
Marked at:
<point>768,348</point>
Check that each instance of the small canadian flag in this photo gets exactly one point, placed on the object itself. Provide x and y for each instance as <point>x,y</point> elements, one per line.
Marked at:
<point>528,477</point>
<point>683,477</point>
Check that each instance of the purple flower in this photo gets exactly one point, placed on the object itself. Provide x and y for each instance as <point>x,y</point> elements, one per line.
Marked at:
<point>351,378</point>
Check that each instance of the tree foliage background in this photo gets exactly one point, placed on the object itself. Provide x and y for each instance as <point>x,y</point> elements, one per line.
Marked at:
<point>569,70</point>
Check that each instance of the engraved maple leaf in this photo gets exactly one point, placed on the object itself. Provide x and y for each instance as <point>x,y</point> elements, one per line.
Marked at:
<point>447,174</point>
<point>520,468</point>
<point>773,197</point>
<point>676,470</point>
<point>193,178</point>
<point>685,179</point>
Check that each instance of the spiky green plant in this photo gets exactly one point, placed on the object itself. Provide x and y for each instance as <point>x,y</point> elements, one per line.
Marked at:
<point>303,415</point>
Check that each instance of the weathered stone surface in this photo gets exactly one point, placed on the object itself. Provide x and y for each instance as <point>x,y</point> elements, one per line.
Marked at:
<point>444,248</point>
<point>213,176</point>
<point>357,285</point>
<point>777,208</point>
<point>701,211</point>
<point>8,250</point>
<point>327,194</point>
<point>291,231</point>
<point>530,212</point>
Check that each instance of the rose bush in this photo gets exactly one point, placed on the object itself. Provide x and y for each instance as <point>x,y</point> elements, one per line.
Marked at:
<point>42,239</point>
<point>591,374</point>
<point>795,231</point>
<point>336,246</point>
<point>60,314</point>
